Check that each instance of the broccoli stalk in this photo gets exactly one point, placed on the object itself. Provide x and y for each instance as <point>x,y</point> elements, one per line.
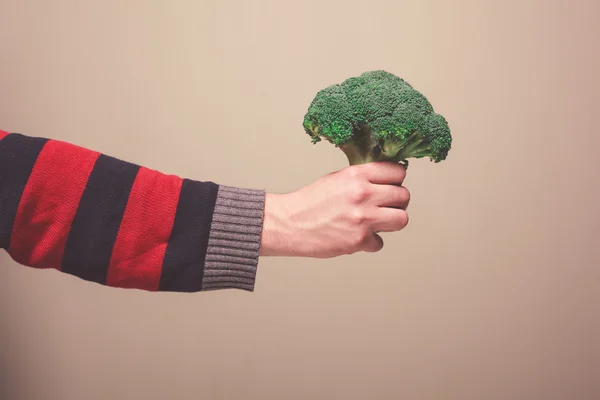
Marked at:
<point>363,147</point>
<point>378,116</point>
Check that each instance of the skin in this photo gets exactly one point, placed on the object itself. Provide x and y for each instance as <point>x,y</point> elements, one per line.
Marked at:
<point>338,214</point>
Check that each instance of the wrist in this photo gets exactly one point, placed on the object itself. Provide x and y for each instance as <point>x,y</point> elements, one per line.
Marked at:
<point>277,232</point>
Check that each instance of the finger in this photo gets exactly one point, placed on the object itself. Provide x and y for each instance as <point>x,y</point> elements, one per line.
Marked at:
<point>391,196</point>
<point>373,244</point>
<point>383,172</point>
<point>390,220</point>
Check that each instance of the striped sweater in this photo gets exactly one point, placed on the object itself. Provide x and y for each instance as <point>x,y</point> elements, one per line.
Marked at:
<point>122,225</point>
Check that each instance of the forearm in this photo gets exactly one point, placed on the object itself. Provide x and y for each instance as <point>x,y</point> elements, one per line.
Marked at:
<point>122,225</point>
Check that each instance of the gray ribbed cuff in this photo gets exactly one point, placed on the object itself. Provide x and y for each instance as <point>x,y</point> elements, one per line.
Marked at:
<point>234,239</point>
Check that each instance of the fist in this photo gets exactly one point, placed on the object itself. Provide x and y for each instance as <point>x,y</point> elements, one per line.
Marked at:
<point>339,214</point>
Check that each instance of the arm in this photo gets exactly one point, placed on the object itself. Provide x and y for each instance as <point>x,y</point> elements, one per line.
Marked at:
<point>122,225</point>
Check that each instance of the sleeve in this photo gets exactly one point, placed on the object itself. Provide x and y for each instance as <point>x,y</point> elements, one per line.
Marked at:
<point>122,225</point>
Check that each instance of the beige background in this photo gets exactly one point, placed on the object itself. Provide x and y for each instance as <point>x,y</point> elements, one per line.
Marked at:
<point>492,292</point>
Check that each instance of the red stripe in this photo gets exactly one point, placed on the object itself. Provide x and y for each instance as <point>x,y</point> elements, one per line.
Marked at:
<point>49,203</point>
<point>142,240</point>
<point>3,134</point>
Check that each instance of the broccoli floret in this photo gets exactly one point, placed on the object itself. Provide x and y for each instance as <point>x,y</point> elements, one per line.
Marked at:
<point>378,116</point>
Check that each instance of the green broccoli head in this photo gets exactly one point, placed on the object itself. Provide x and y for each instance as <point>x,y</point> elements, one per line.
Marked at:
<point>378,116</point>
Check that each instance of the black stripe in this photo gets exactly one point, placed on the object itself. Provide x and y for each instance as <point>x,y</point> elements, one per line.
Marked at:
<point>183,265</point>
<point>18,154</point>
<point>94,230</point>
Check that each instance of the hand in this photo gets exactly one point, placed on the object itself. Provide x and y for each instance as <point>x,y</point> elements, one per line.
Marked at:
<point>338,214</point>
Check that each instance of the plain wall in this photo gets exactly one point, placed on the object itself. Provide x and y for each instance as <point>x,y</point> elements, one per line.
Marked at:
<point>491,292</point>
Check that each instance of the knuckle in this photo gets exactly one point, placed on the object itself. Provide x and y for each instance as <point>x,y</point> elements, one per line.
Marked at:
<point>354,172</point>
<point>358,216</point>
<point>358,240</point>
<point>401,172</point>
<point>404,195</point>
<point>359,192</point>
<point>402,219</point>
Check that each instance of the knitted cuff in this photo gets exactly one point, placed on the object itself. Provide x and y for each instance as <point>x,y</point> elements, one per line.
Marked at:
<point>234,239</point>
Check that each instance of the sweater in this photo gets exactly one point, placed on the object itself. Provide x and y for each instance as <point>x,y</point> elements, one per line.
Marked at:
<point>122,225</point>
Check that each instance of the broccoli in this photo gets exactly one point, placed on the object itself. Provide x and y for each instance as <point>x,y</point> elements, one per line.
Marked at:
<point>378,116</point>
